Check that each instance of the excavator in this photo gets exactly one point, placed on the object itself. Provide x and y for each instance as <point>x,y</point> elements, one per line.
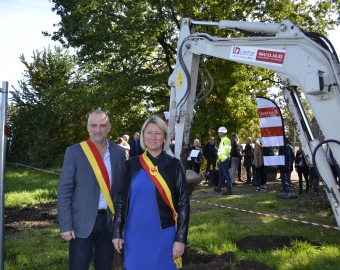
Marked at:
<point>303,60</point>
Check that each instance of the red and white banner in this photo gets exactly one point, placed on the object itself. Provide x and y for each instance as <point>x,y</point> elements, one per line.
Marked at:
<point>272,131</point>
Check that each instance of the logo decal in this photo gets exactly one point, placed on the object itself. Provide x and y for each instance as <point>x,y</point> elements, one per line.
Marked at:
<point>153,170</point>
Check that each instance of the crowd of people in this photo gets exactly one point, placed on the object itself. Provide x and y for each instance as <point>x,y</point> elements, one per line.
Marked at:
<point>229,157</point>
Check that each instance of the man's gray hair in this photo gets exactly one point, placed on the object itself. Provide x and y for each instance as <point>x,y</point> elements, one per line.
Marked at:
<point>99,111</point>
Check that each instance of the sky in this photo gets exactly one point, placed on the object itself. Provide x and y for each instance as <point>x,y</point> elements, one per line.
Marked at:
<point>21,24</point>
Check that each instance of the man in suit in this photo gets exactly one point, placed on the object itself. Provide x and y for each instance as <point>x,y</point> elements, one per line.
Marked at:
<point>135,149</point>
<point>85,209</point>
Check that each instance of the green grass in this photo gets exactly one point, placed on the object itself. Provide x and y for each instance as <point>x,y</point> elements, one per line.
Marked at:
<point>25,187</point>
<point>40,249</point>
<point>212,229</point>
<point>215,229</point>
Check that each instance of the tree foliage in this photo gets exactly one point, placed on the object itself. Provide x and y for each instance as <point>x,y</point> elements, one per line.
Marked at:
<point>47,112</point>
<point>125,53</point>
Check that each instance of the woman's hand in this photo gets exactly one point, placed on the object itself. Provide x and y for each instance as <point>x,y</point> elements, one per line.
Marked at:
<point>178,250</point>
<point>118,244</point>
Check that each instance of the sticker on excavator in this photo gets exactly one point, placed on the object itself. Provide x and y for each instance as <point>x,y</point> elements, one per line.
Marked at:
<point>179,79</point>
<point>253,54</point>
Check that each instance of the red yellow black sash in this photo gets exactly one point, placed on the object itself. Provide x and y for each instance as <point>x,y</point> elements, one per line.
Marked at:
<point>159,182</point>
<point>99,169</point>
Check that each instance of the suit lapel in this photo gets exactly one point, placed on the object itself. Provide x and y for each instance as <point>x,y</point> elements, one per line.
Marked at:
<point>113,165</point>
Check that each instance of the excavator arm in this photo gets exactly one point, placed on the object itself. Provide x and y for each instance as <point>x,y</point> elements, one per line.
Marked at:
<point>304,60</point>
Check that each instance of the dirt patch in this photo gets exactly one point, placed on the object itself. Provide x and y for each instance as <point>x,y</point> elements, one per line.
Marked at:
<point>44,215</point>
<point>265,243</point>
<point>31,218</point>
<point>194,259</point>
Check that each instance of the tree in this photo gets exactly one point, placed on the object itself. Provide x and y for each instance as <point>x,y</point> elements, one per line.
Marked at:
<point>129,48</point>
<point>48,110</point>
<point>125,52</point>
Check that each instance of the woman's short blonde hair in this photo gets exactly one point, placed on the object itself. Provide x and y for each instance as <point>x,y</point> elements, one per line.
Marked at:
<point>159,122</point>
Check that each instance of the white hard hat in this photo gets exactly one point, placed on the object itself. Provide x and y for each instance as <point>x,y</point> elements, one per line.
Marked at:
<point>222,129</point>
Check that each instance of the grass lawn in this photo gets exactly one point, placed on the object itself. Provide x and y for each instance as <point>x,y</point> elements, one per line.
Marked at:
<point>212,229</point>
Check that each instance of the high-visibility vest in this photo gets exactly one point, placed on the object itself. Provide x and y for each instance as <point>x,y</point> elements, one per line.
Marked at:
<point>224,149</point>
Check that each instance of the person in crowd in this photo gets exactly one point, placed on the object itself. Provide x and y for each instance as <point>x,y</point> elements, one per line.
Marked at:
<point>135,148</point>
<point>332,163</point>
<point>290,157</point>
<point>126,143</point>
<point>89,183</point>
<point>210,154</point>
<point>121,142</point>
<point>189,162</point>
<point>153,209</point>
<point>126,137</point>
<point>239,166</point>
<point>235,154</point>
<point>196,161</point>
<point>248,158</point>
<point>224,158</point>
<point>260,173</point>
<point>302,168</point>
<point>286,170</point>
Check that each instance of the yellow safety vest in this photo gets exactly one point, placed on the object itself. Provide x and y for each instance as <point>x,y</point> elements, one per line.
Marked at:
<point>224,149</point>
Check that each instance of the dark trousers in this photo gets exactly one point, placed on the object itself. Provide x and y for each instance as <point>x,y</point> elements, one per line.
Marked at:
<point>211,162</point>
<point>196,167</point>
<point>335,173</point>
<point>303,170</point>
<point>284,182</point>
<point>248,174</point>
<point>239,168</point>
<point>224,172</point>
<point>261,171</point>
<point>100,240</point>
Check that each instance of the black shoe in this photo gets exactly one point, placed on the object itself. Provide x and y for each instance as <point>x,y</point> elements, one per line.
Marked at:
<point>264,188</point>
<point>257,189</point>
<point>291,185</point>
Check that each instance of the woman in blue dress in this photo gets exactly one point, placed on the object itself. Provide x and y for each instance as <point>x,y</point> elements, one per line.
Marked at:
<point>153,205</point>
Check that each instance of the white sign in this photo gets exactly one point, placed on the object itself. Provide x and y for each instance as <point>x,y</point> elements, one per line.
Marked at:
<point>194,153</point>
<point>254,54</point>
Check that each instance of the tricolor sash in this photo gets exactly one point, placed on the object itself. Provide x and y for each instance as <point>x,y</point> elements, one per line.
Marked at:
<point>99,169</point>
<point>162,188</point>
<point>159,182</point>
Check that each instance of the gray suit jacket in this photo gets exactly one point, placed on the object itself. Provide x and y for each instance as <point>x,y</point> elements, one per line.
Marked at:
<point>78,190</point>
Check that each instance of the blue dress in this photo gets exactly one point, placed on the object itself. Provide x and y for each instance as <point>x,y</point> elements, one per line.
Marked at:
<point>146,245</point>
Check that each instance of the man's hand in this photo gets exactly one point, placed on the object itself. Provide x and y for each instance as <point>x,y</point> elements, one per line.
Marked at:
<point>118,244</point>
<point>68,235</point>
